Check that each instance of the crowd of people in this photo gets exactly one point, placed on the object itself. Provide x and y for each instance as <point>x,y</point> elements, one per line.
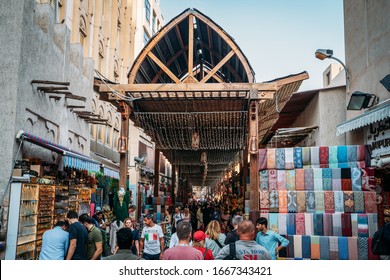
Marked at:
<point>196,232</point>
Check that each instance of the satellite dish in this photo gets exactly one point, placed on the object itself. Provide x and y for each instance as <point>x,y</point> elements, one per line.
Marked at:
<point>141,159</point>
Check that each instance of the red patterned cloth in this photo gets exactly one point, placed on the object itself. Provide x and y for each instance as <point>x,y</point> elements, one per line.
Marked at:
<point>349,202</point>
<point>361,153</point>
<point>368,179</point>
<point>346,226</point>
<point>300,224</point>
<point>324,157</point>
<point>329,201</point>
<point>370,202</point>
<point>300,179</point>
<point>272,180</point>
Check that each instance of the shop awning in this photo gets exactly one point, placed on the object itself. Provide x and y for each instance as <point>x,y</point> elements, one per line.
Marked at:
<point>70,158</point>
<point>380,112</point>
<point>110,168</point>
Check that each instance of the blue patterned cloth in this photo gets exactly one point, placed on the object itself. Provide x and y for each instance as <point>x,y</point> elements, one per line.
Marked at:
<point>274,201</point>
<point>362,248</point>
<point>290,247</point>
<point>338,201</point>
<point>342,156</point>
<point>333,161</point>
<point>306,246</point>
<point>310,202</point>
<point>298,163</point>
<point>327,179</point>
<point>356,177</point>
<point>292,201</point>
<point>318,224</point>
<point>352,153</point>
<point>324,247</point>
<point>317,173</point>
<point>263,180</point>
<point>343,248</point>
<point>280,158</point>
<point>359,202</point>
<point>290,223</point>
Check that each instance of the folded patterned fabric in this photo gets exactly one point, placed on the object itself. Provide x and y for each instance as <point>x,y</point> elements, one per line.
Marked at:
<point>272,179</point>
<point>324,248</point>
<point>263,179</point>
<point>327,179</point>
<point>333,247</point>
<point>283,201</point>
<point>319,201</point>
<point>291,228</point>
<point>352,153</point>
<point>368,179</point>
<point>336,219</point>
<point>290,247</point>
<point>273,201</point>
<point>318,224</point>
<point>356,177</point>
<point>370,202</point>
<point>273,222</point>
<point>346,226</point>
<point>300,223</point>
<point>309,227</point>
<point>292,201</point>
<point>281,175</point>
<point>359,201</point>
<point>310,202</point>
<point>372,223</point>
<point>300,179</point>
<point>301,201</point>
<point>338,201</point>
<point>336,179</point>
<point>362,225</point>
<point>290,179</point>
<point>342,156</point>
<point>289,158</point>
<point>352,248</point>
<point>329,201</point>
<point>362,248</point>
<point>280,158</point>
<point>309,179</point>
<point>349,202</point>
<point>264,201</point>
<point>324,157</point>
<point>360,153</point>
<point>315,157</point>
<point>297,246</point>
<point>262,159</point>
<point>271,158</point>
<point>343,248</point>
<point>315,247</point>
<point>328,226</point>
<point>282,223</point>
<point>306,247</point>
<point>333,161</point>
<point>354,224</point>
<point>317,174</point>
<point>298,163</point>
<point>306,156</point>
<point>361,164</point>
<point>346,182</point>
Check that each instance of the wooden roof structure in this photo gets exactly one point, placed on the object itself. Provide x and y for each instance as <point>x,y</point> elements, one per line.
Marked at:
<point>190,90</point>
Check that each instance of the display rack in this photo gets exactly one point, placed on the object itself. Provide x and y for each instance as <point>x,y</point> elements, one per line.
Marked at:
<point>61,204</point>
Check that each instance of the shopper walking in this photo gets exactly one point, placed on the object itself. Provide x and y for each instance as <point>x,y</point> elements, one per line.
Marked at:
<point>246,247</point>
<point>177,217</point>
<point>183,251</point>
<point>152,239</point>
<point>124,240</point>
<point>199,244</point>
<point>167,228</point>
<point>269,239</point>
<point>78,238</point>
<point>232,236</point>
<point>216,238</point>
<point>55,242</point>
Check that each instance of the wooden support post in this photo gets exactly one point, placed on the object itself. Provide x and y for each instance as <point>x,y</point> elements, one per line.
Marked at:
<point>244,168</point>
<point>156,172</point>
<point>253,151</point>
<point>173,182</point>
<point>123,143</point>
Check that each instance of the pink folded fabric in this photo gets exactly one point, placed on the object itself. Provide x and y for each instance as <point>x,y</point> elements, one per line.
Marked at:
<point>271,158</point>
<point>272,180</point>
<point>352,248</point>
<point>262,159</point>
<point>300,224</point>
<point>300,179</point>
<point>329,201</point>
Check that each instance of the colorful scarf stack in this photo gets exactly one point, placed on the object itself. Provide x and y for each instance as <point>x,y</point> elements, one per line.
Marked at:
<point>370,202</point>
<point>318,224</point>
<point>333,248</point>
<point>306,246</point>
<point>282,223</point>
<point>349,203</point>
<point>356,177</point>
<point>346,226</point>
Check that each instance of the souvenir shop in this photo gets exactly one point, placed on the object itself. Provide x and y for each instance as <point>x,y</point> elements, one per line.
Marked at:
<point>43,192</point>
<point>324,200</point>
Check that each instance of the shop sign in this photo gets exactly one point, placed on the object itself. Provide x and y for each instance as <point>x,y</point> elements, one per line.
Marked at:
<point>378,137</point>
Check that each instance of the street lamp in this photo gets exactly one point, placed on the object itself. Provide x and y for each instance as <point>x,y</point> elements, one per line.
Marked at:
<point>326,53</point>
<point>361,100</point>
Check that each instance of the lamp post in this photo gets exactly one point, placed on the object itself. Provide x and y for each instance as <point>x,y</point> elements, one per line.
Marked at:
<point>326,53</point>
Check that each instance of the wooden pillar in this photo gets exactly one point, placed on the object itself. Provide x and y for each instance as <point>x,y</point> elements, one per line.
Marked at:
<point>173,182</point>
<point>244,168</point>
<point>156,172</point>
<point>253,151</point>
<point>123,143</point>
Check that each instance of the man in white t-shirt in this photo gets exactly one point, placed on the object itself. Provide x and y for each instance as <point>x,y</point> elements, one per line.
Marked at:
<point>152,240</point>
<point>177,217</point>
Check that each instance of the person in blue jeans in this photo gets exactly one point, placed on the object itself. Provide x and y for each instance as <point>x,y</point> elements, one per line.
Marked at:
<point>269,239</point>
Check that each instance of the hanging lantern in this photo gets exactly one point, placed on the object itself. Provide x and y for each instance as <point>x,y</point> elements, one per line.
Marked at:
<point>195,140</point>
<point>203,157</point>
<point>253,145</point>
<point>122,145</point>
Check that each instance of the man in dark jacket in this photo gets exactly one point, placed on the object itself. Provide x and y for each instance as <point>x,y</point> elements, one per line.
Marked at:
<point>233,235</point>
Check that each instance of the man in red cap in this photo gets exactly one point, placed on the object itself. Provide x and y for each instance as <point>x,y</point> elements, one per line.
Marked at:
<point>183,251</point>
<point>198,243</point>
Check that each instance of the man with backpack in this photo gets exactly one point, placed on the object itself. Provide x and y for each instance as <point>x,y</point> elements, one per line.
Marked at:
<point>381,242</point>
<point>245,248</point>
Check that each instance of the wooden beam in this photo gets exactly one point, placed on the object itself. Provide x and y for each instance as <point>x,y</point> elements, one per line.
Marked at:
<point>163,67</point>
<point>76,97</point>
<point>218,66</point>
<point>190,45</point>
<point>52,88</point>
<point>146,88</point>
<point>50,82</point>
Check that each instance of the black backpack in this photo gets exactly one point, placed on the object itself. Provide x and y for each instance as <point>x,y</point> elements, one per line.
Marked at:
<point>378,245</point>
<point>232,252</point>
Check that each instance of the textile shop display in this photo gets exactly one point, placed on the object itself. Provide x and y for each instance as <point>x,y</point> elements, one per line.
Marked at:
<point>321,199</point>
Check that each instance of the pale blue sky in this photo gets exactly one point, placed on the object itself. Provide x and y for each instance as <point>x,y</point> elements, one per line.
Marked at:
<point>279,37</point>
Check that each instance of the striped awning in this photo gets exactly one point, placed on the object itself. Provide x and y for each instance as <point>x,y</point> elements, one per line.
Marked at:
<point>380,112</point>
